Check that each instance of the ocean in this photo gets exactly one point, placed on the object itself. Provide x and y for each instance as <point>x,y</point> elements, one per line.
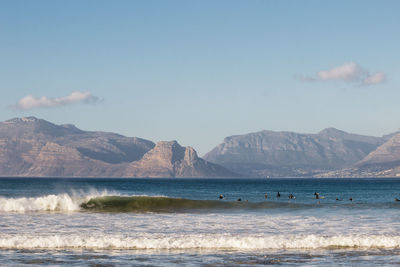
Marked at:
<point>183,222</point>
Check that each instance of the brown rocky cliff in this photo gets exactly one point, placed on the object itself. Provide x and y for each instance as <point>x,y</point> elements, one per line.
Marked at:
<point>169,159</point>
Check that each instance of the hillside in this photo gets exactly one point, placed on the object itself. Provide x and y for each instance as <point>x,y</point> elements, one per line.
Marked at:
<point>35,147</point>
<point>289,154</point>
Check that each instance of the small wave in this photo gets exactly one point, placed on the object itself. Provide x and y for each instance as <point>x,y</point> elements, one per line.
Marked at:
<point>198,241</point>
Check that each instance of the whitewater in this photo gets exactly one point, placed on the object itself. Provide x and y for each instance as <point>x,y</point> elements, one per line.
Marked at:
<point>124,222</point>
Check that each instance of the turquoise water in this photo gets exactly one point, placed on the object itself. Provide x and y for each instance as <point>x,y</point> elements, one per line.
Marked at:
<point>169,222</point>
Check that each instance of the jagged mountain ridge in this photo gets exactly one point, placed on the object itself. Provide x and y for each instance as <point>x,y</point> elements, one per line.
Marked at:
<point>289,154</point>
<point>35,147</point>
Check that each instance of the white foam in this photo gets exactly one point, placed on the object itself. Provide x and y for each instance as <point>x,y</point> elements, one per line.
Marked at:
<point>61,202</point>
<point>198,241</point>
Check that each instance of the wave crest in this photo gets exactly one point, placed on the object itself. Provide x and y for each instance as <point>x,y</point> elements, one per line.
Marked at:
<point>60,203</point>
<point>46,203</point>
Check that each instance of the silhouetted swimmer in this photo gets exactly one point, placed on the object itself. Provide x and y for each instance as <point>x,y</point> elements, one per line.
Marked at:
<point>316,195</point>
<point>337,199</point>
<point>266,195</point>
<point>239,199</point>
<point>278,195</point>
<point>351,199</point>
<point>291,196</point>
<point>221,196</point>
<point>396,199</point>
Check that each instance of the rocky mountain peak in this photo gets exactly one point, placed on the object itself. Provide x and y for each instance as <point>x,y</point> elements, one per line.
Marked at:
<point>169,151</point>
<point>173,152</point>
<point>34,147</point>
<point>169,159</point>
<point>23,120</point>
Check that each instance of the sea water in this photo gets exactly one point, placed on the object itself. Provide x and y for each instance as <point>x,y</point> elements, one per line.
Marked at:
<point>170,222</point>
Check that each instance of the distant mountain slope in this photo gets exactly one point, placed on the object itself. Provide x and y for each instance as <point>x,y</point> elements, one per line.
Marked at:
<point>277,154</point>
<point>35,147</point>
<point>382,162</point>
<point>385,160</point>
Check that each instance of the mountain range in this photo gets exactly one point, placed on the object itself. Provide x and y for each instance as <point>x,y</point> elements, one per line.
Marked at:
<point>37,148</point>
<point>329,153</point>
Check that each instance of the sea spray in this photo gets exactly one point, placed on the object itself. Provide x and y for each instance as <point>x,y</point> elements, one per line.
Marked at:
<point>60,202</point>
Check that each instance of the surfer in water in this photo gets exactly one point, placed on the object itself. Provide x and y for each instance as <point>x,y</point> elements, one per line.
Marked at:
<point>316,194</point>
<point>278,195</point>
<point>266,196</point>
<point>291,196</point>
<point>221,196</point>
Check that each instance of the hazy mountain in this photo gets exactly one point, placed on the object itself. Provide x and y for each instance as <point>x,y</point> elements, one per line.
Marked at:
<point>278,154</point>
<point>35,147</point>
<point>384,161</point>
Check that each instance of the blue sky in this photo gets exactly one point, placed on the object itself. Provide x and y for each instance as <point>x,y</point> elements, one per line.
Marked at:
<point>198,71</point>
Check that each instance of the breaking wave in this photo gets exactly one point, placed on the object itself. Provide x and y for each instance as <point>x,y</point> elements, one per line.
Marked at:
<point>61,203</point>
<point>168,204</point>
<point>198,241</point>
<point>104,202</point>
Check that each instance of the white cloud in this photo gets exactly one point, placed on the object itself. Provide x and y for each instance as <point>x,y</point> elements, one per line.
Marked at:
<point>376,78</point>
<point>31,102</point>
<point>348,72</point>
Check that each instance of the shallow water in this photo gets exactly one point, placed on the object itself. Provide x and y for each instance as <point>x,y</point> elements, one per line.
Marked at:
<point>124,222</point>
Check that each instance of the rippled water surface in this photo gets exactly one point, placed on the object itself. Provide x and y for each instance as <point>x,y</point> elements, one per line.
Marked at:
<point>169,222</point>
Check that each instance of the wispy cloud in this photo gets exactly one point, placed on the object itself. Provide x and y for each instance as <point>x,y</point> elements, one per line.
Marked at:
<point>30,102</point>
<point>376,78</point>
<point>348,72</point>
